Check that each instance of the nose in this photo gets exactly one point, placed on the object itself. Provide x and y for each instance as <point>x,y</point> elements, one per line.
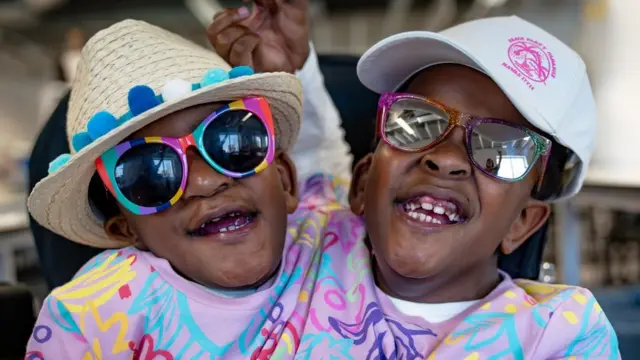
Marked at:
<point>449,158</point>
<point>203,180</point>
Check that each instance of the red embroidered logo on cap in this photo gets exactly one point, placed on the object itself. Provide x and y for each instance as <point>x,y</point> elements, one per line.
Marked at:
<point>531,61</point>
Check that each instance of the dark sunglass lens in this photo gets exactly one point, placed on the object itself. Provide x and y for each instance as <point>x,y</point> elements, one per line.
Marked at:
<point>149,175</point>
<point>504,151</point>
<point>237,140</point>
<point>414,124</point>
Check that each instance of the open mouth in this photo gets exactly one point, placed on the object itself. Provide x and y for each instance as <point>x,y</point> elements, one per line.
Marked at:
<point>232,221</point>
<point>433,211</point>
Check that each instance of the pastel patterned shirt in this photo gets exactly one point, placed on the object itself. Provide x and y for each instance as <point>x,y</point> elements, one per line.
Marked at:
<point>323,304</point>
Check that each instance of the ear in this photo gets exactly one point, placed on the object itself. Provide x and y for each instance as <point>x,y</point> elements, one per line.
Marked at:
<point>118,228</point>
<point>531,218</point>
<point>359,184</point>
<point>289,180</point>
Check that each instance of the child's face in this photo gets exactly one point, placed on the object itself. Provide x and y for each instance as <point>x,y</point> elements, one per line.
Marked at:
<point>227,258</point>
<point>418,260</point>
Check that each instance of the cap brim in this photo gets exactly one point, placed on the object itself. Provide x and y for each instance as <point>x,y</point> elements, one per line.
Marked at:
<point>60,202</point>
<point>390,63</point>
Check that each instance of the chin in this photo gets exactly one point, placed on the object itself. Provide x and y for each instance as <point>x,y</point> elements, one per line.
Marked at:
<point>416,255</point>
<point>413,265</point>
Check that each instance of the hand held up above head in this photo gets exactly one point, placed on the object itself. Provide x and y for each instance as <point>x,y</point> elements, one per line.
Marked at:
<point>272,35</point>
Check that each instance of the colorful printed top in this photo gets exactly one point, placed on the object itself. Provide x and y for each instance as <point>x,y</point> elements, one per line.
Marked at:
<point>323,304</point>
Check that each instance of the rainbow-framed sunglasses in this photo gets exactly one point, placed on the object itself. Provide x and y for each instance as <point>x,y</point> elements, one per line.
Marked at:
<point>149,175</point>
<point>498,148</point>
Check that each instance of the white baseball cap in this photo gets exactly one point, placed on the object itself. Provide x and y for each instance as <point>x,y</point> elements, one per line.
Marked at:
<point>544,78</point>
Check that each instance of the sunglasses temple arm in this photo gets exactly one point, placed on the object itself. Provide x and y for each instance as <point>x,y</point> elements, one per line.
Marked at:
<point>379,123</point>
<point>545,160</point>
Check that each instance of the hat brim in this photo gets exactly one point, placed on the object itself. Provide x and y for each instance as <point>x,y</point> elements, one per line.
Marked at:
<point>60,201</point>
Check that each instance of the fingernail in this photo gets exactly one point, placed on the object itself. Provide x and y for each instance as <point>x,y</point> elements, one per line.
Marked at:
<point>242,13</point>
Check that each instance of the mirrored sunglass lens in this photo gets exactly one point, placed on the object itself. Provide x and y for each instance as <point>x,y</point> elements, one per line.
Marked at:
<point>149,175</point>
<point>414,124</point>
<point>237,140</point>
<point>504,151</point>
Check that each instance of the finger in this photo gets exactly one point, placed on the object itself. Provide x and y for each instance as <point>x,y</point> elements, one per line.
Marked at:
<point>225,39</point>
<point>296,11</point>
<point>219,14</point>
<point>270,5</point>
<point>298,4</point>
<point>226,18</point>
<point>295,22</point>
<point>242,50</point>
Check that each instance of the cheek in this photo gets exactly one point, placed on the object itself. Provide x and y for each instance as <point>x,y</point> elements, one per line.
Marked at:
<point>386,173</point>
<point>375,195</point>
<point>266,191</point>
<point>500,203</point>
<point>152,230</point>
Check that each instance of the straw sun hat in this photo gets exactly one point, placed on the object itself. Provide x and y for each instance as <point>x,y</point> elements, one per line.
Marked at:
<point>104,111</point>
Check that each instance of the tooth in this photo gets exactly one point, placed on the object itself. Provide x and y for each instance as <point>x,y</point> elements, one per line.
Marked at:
<point>429,219</point>
<point>437,221</point>
<point>427,206</point>
<point>438,210</point>
<point>451,217</point>
<point>223,230</point>
<point>414,215</point>
<point>423,217</point>
<point>231,228</point>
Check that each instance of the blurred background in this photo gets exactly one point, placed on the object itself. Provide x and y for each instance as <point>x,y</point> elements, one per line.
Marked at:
<point>594,240</point>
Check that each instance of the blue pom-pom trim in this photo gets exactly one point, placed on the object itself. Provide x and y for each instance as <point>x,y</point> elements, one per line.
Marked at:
<point>58,162</point>
<point>214,76</point>
<point>100,124</point>
<point>240,71</point>
<point>81,140</point>
<point>142,98</point>
<point>124,118</point>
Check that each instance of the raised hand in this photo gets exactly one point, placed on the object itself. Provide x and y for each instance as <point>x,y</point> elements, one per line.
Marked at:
<point>271,36</point>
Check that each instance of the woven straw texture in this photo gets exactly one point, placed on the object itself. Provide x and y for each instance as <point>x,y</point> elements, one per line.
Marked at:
<point>116,59</point>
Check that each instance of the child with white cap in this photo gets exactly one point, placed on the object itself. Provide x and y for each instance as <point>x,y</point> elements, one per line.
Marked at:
<point>481,126</point>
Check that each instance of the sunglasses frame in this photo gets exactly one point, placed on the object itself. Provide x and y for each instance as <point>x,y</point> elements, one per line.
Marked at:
<point>468,123</point>
<point>106,164</point>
